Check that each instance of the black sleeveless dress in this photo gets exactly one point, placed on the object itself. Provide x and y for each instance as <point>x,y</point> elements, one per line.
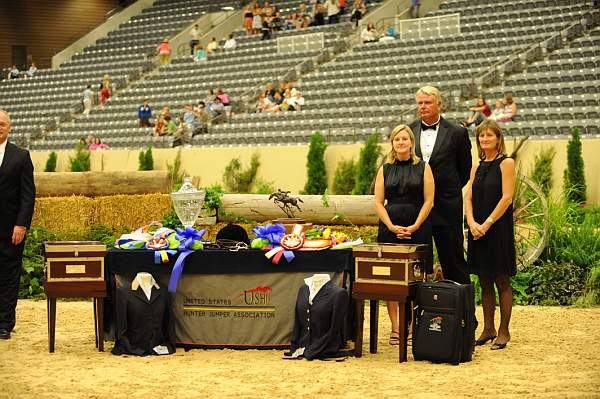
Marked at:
<point>494,253</point>
<point>403,183</point>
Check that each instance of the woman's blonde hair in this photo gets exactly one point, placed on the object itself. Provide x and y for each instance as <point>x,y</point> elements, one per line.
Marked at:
<point>492,126</point>
<point>392,155</point>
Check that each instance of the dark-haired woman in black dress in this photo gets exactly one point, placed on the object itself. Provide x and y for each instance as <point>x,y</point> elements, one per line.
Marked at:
<point>488,208</point>
<point>404,190</point>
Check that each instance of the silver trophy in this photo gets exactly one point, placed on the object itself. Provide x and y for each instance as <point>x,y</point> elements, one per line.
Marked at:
<point>187,202</point>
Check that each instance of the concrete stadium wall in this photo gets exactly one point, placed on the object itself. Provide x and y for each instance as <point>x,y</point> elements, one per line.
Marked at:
<point>285,166</point>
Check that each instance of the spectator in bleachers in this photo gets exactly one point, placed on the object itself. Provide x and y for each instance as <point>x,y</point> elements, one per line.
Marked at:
<point>223,97</point>
<point>498,111</point>
<point>105,89</point>
<point>302,12</point>
<point>170,125</point>
<point>342,5</point>
<point>277,98</point>
<point>90,140</point>
<point>369,34</point>
<point>505,110</point>
<point>210,99</point>
<point>189,116</point>
<point>230,43</point>
<point>88,97</point>
<point>282,88</point>
<point>32,70</point>
<point>296,101</point>
<point>98,145</point>
<point>200,54</point>
<point>217,111</point>
<point>212,46</point>
<point>180,136</point>
<point>164,52</point>
<point>333,11</point>
<point>160,127</point>
<point>389,33</point>
<point>257,19</point>
<point>248,20</point>
<point>414,9</point>
<point>144,114</point>
<point>13,72</point>
<point>264,104</point>
<point>358,10</point>
<point>270,91</point>
<point>510,108</point>
<point>318,14</point>
<point>291,89</point>
<point>266,28</point>
<point>202,117</point>
<point>194,39</point>
<point>479,112</point>
<point>165,111</point>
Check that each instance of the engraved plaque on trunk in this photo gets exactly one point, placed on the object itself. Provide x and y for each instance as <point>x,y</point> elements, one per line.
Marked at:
<point>381,271</point>
<point>75,269</point>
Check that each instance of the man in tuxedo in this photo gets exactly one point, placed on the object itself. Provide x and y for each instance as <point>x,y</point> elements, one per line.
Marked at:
<point>17,198</point>
<point>447,149</point>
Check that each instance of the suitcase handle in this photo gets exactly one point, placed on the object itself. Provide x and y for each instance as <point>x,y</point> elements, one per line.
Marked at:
<point>448,281</point>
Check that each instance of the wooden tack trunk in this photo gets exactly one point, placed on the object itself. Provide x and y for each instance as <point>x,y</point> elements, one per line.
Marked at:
<point>389,264</point>
<point>74,268</point>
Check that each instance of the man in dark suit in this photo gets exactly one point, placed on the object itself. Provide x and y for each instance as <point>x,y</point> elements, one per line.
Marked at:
<point>17,198</point>
<point>447,149</point>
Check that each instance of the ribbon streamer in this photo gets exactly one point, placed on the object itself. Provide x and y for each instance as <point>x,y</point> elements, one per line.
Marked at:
<point>188,238</point>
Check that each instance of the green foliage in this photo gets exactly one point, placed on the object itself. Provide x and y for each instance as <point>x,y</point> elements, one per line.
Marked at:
<point>520,286</point>
<point>367,166</point>
<point>31,282</point>
<point>176,173</point>
<point>262,186</point>
<point>542,169</point>
<point>171,220</point>
<point>591,294</point>
<point>51,162</point>
<point>477,288</point>
<point>80,162</point>
<point>214,193</point>
<point>233,218</point>
<point>574,184</point>
<point>345,177</point>
<point>146,160</point>
<point>237,180</point>
<point>316,182</point>
<point>573,236</point>
<point>104,234</point>
<point>555,283</point>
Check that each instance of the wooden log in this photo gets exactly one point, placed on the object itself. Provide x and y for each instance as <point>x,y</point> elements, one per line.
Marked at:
<point>342,209</point>
<point>92,184</point>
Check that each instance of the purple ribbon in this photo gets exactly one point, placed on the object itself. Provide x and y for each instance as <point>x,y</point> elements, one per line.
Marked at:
<point>272,232</point>
<point>187,238</point>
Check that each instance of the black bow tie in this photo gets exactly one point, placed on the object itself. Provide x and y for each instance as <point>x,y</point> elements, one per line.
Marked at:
<point>425,127</point>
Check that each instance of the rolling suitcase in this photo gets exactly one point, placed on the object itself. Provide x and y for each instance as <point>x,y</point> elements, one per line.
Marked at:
<point>444,327</point>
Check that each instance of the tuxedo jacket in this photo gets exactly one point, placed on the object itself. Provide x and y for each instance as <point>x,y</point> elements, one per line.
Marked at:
<point>318,328</point>
<point>17,190</point>
<point>142,323</point>
<point>450,164</point>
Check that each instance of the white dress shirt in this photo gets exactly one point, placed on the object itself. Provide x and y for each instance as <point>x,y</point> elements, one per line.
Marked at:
<point>2,151</point>
<point>428,137</point>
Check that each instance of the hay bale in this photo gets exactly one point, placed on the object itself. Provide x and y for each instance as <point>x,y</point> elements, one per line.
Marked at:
<point>131,211</point>
<point>64,214</point>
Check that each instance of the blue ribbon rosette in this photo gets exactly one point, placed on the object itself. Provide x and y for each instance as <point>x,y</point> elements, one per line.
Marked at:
<point>191,240</point>
<point>274,233</point>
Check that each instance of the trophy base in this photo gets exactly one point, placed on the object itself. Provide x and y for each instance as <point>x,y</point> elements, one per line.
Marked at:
<point>289,223</point>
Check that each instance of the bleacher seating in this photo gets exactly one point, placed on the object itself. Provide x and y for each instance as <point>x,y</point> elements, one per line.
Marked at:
<point>365,90</point>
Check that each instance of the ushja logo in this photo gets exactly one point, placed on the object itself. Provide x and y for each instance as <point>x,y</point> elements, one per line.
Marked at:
<point>260,295</point>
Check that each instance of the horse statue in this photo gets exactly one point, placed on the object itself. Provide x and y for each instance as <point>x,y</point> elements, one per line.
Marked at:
<point>286,202</point>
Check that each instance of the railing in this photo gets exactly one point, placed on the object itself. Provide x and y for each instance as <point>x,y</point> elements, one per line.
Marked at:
<point>429,27</point>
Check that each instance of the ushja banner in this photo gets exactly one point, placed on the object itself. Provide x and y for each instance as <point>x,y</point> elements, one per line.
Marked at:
<point>245,310</point>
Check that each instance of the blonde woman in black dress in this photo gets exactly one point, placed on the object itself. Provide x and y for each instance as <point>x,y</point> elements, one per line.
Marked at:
<point>404,191</point>
<point>491,251</point>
